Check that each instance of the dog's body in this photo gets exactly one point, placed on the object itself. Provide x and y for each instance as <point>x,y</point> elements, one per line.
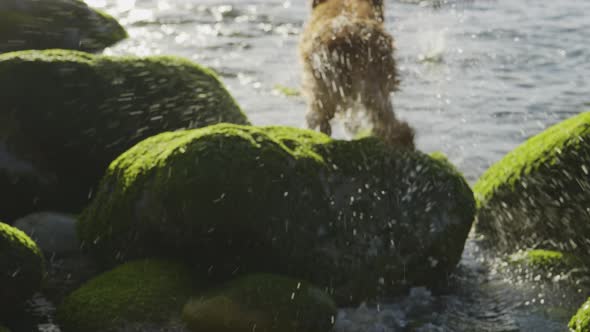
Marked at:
<point>348,60</point>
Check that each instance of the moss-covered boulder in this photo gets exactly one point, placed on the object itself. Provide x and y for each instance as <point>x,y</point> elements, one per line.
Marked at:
<point>21,268</point>
<point>537,195</point>
<point>264,303</point>
<point>357,217</point>
<point>66,115</point>
<point>65,24</point>
<point>581,320</point>
<point>137,292</point>
<point>544,259</point>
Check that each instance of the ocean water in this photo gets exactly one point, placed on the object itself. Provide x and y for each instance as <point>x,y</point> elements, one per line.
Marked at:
<point>478,78</point>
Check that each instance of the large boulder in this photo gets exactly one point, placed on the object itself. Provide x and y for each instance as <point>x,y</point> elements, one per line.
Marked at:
<point>66,24</point>
<point>66,115</point>
<point>145,291</point>
<point>21,268</point>
<point>538,194</point>
<point>265,303</point>
<point>356,217</point>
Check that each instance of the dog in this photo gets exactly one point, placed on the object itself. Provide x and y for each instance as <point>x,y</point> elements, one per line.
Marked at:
<point>348,65</point>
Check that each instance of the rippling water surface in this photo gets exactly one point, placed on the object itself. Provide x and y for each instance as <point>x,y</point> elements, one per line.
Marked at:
<point>478,78</point>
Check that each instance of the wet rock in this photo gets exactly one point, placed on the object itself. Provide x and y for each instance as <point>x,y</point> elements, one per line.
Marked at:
<point>141,292</point>
<point>581,320</point>
<point>262,303</point>
<point>66,274</point>
<point>21,269</point>
<point>54,233</point>
<point>359,218</point>
<point>23,184</point>
<point>66,115</point>
<point>47,24</point>
<point>537,195</point>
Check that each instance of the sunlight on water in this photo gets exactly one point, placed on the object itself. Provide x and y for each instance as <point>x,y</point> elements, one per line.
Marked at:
<point>433,45</point>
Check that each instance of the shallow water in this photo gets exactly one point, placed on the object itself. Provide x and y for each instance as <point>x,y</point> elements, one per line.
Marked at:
<point>478,78</point>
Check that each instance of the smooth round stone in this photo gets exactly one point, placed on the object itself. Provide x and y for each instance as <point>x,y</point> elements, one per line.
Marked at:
<point>54,233</point>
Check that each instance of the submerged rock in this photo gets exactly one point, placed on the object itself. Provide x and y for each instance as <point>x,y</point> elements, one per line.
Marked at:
<point>581,320</point>
<point>65,24</point>
<point>537,195</point>
<point>262,302</point>
<point>66,115</point>
<point>146,291</point>
<point>21,269</point>
<point>54,233</point>
<point>358,218</point>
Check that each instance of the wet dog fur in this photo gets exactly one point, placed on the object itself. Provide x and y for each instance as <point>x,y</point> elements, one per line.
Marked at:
<point>348,61</point>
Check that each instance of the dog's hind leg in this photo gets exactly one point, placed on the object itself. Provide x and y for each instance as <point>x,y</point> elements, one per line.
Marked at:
<point>319,114</point>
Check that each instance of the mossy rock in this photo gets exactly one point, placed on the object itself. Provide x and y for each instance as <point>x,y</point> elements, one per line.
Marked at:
<point>357,217</point>
<point>4,329</point>
<point>264,303</point>
<point>65,24</point>
<point>69,114</point>
<point>545,259</point>
<point>537,195</point>
<point>137,292</point>
<point>21,268</point>
<point>581,320</point>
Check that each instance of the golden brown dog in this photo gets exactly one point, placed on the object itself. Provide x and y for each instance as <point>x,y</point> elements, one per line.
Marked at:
<point>348,62</point>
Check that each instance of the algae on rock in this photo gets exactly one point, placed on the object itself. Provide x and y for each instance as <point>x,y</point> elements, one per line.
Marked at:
<point>359,218</point>
<point>69,114</point>
<point>137,292</point>
<point>261,302</point>
<point>21,268</point>
<point>544,259</point>
<point>581,320</point>
<point>537,195</point>
<point>65,24</point>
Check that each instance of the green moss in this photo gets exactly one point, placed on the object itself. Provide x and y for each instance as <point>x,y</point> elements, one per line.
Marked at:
<point>363,133</point>
<point>71,113</point>
<point>538,152</point>
<point>537,194</point>
<point>229,180</point>
<point>287,91</point>
<point>21,268</point>
<point>137,292</point>
<point>4,329</point>
<point>262,302</point>
<point>544,259</point>
<point>66,24</point>
<point>358,217</point>
<point>581,320</point>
